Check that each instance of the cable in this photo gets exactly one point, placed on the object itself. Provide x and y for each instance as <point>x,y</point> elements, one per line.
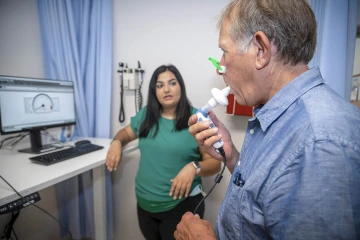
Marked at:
<point>216,180</point>
<point>9,228</point>
<point>15,232</point>
<point>70,235</point>
<point>121,113</point>
<point>138,94</point>
<point>140,98</point>
<point>55,139</point>
<point>16,139</point>
<point>13,143</point>
<point>136,104</point>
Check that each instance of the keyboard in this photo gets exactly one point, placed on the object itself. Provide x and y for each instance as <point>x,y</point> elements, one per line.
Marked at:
<point>64,154</point>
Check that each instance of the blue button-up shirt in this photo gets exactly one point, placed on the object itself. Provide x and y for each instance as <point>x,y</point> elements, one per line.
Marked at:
<point>299,166</point>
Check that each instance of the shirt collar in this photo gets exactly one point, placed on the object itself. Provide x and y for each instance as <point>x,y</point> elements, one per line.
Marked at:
<point>268,113</point>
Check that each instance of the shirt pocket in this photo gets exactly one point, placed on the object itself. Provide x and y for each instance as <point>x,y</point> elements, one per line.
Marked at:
<point>234,206</point>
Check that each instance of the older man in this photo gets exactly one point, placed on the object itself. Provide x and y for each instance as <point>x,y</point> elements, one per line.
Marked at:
<point>298,173</point>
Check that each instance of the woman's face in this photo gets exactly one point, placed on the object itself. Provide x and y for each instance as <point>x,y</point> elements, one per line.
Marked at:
<point>168,90</point>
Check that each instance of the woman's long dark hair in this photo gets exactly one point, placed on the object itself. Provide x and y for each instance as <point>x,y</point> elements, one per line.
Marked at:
<point>153,110</point>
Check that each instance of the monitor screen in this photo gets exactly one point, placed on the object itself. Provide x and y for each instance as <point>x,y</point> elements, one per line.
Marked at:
<point>33,104</point>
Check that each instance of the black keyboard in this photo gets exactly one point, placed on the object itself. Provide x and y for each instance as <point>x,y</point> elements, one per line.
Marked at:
<point>58,156</point>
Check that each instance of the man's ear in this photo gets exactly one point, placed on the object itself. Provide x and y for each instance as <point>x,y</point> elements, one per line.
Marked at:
<point>263,49</point>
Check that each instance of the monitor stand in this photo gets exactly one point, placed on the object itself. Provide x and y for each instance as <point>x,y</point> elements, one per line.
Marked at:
<point>36,144</point>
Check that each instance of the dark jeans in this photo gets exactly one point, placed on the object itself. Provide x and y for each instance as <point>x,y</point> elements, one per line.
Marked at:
<point>162,225</point>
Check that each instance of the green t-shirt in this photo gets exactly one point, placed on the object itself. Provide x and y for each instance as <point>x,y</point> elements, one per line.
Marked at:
<point>161,160</point>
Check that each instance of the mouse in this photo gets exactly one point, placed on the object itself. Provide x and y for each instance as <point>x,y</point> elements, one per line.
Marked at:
<point>81,142</point>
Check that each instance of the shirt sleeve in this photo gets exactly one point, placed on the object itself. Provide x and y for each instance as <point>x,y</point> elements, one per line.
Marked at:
<point>136,121</point>
<point>193,110</point>
<point>316,195</point>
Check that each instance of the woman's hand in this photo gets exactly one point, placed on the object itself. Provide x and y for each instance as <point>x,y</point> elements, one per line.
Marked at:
<point>113,156</point>
<point>181,184</point>
<point>121,138</point>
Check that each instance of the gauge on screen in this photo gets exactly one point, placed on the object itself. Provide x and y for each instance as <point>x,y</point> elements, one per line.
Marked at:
<point>42,103</point>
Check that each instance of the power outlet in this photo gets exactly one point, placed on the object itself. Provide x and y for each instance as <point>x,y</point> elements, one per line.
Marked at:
<point>16,205</point>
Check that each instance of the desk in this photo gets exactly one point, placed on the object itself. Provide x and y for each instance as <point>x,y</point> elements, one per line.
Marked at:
<point>28,177</point>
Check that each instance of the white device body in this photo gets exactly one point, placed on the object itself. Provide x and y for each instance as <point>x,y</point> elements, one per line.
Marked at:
<point>202,116</point>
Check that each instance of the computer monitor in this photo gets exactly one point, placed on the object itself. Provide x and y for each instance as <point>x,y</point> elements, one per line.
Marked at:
<point>34,104</point>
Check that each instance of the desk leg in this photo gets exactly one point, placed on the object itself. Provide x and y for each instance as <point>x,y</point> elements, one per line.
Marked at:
<point>99,202</point>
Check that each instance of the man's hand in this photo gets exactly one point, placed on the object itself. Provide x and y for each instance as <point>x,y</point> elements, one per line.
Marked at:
<point>113,156</point>
<point>192,227</point>
<point>206,137</point>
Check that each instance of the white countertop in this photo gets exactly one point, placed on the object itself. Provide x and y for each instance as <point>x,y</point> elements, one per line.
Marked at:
<point>28,177</point>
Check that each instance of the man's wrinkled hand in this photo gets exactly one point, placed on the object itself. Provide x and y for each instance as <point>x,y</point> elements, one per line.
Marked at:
<point>192,227</point>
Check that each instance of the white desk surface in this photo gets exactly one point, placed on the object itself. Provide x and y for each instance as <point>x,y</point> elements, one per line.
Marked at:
<point>28,177</point>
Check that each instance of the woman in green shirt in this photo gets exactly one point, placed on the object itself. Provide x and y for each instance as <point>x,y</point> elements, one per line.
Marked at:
<point>171,165</point>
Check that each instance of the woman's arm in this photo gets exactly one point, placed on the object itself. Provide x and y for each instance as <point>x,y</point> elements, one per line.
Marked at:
<point>209,165</point>
<point>181,184</point>
<point>122,137</point>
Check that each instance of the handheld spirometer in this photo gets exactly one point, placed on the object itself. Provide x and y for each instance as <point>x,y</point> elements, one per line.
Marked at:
<point>219,97</point>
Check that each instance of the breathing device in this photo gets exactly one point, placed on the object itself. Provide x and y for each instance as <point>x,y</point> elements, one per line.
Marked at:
<point>219,97</point>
